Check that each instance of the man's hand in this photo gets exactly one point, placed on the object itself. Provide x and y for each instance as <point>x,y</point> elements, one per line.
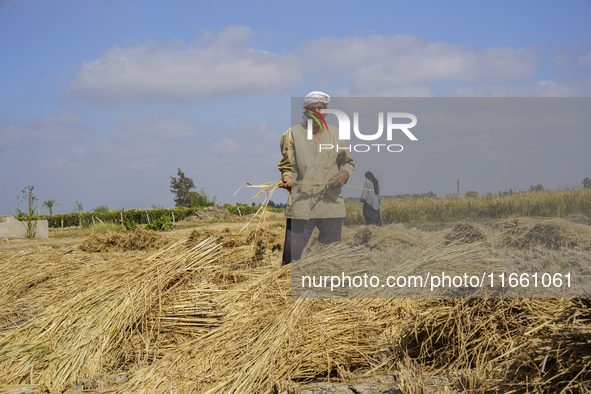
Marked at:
<point>339,179</point>
<point>286,179</point>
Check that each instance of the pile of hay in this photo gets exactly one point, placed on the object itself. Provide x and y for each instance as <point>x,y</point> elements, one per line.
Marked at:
<point>209,213</point>
<point>98,319</point>
<point>554,234</point>
<point>465,233</point>
<point>526,345</point>
<point>228,237</point>
<point>265,238</point>
<point>380,238</point>
<point>115,242</point>
<point>14,314</point>
<point>241,250</point>
<point>185,313</point>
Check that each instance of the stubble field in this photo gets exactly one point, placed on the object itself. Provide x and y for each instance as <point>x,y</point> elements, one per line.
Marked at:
<point>210,311</point>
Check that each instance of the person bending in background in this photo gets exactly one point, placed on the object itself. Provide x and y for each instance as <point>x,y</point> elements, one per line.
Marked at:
<point>371,200</point>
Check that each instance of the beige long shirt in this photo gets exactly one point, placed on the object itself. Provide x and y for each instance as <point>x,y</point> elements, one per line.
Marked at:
<point>303,161</point>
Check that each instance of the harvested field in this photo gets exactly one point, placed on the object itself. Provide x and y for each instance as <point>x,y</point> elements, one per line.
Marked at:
<point>212,313</point>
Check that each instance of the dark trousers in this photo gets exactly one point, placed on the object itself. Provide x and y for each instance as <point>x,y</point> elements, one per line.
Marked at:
<point>298,232</point>
<point>372,216</point>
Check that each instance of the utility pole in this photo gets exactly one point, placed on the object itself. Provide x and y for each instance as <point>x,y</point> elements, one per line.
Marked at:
<point>458,188</point>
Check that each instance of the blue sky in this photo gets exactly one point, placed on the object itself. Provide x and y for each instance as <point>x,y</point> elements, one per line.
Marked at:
<point>102,101</point>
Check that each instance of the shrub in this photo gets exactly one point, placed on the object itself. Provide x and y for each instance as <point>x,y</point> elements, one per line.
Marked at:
<point>163,224</point>
<point>129,225</point>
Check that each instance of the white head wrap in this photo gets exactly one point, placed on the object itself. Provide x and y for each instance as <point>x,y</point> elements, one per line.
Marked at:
<point>316,97</point>
<point>313,98</point>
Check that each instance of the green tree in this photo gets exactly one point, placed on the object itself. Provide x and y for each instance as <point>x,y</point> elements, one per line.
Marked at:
<point>201,199</point>
<point>181,187</point>
<point>536,188</point>
<point>101,209</point>
<point>28,197</point>
<point>472,194</point>
<point>586,183</point>
<point>50,204</point>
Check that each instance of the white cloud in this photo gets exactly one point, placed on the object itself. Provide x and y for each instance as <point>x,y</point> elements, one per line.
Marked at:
<point>63,128</point>
<point>560,61</point>
<point>384,63</point>
<point>225,146</point>
<point>225,64</point>
<point>141,142</point>
<point>216,65</point>
<point>377,88</point>
<point>250,140</point>
<point>584,62</point>
<point>538,89</point>
<point>168,127</point>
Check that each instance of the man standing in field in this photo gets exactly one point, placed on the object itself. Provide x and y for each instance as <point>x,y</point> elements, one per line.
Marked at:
<point>314,178</point>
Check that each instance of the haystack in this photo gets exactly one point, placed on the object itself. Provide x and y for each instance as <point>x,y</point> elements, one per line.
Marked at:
<point>269,340</point>
<point>103,325</point>
<point>228,237</point>
<point>465,233</point>
<point>526,345</point>
<point>264,238</point>
<point>380,238</point>
<point>241,250</point>
<point>115,242</point>
<point>208,213</point>
<point>555,233</point>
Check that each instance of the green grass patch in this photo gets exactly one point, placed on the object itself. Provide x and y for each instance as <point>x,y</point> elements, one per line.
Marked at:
<point>101,228</point>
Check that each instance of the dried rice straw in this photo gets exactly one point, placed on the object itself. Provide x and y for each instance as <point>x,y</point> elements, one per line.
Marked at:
<point>269,188</point>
